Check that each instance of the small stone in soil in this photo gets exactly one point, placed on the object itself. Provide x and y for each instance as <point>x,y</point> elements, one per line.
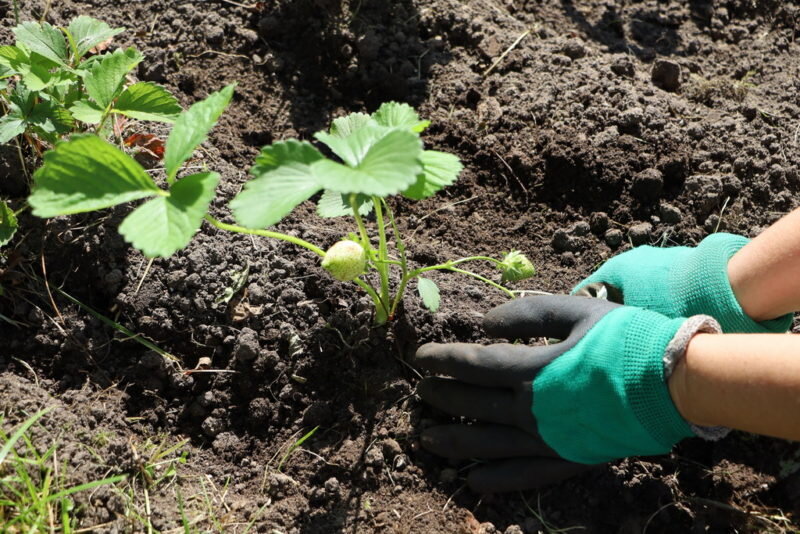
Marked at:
<point>581,228</point>
<point>640,233</point>
<point>598,222</point>
<point>670,214</point>
<point>574,49</point>
<point>647,185</point>
<point>614,237</point>
<point>666,75</point>
<point>373,457</point>
<point>247,347</point>
<point>391,448</point>
<point>623,66</point>
<point>332,487</point>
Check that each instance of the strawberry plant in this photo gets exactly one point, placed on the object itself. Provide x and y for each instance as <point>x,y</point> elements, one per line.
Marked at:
<point>378,156</point>
<point>58,81</point>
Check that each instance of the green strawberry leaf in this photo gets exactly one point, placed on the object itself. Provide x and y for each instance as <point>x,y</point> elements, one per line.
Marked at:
<point>39,74</point>
<point>192,127</point>
<point>438,171</point>
<point>86,111</point>
<point>87,33</point>
<point>8,224</point>
<point>49,120</point>
<point>348,125</point>
<point>22,100</point>
<point>353,148</point>
<point>86,174</point>
<point>333,204</point>
<point>429,292</point>
<point>389,166</point>
<point>395,115</point>
<point>162,226</point>
<point>10,127</point>
<point>14,58</point>
<point>283,179</point>
<point>105,79</point>
<point>147,101</point>
<point>43,39</point>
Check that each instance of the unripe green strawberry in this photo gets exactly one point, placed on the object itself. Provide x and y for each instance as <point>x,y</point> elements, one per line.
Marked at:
<point>345,260</point>
<point>516,266</point>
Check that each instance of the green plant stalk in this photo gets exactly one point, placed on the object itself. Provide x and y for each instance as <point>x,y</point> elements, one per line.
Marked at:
<point>447,266</point>
<point>362,229</point>
<point>381,309</point>
<point>401,247</point>
<point>383,252</point>
<point>265,233</point>
<point>381,306</point>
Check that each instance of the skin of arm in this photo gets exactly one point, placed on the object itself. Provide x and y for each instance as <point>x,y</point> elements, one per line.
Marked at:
<point>748,382</point>
<point>765,273</point>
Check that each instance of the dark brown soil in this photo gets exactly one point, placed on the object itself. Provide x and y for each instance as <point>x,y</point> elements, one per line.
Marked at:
<point>609,124</point>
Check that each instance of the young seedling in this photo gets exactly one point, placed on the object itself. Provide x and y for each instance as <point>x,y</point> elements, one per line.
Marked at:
<point>380,155</point>
<point>50,87</point>
<point>55,82</point>
<point>86,173</point>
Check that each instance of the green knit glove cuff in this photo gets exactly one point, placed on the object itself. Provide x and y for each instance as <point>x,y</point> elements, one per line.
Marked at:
<point>645,379</point>
<point>699,281</point>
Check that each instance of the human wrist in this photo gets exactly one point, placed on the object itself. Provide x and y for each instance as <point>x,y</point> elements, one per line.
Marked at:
<point>682,383</point>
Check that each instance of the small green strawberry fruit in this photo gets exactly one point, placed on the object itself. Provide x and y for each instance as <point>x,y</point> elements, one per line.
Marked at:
<point>345,260</point>
<point>516,266</point>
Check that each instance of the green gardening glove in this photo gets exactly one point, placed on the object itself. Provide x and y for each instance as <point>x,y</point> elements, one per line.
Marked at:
<point>681,282</point>
<point>548,412</point>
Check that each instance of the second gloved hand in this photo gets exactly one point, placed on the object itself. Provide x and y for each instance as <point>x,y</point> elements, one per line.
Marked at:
<point>683,281</point>
<point>547,412</point>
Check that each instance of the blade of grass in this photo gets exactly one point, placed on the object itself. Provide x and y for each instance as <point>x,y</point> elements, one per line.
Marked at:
<point>115,325</point>
<point>21,431</point>
<point>295,445</point>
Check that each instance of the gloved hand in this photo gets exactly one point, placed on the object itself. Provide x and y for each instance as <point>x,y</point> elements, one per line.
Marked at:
<point>681,282</point>
<point>548,412</point>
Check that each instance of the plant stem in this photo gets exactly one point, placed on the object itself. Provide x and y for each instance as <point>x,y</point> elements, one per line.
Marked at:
<point>381,313</point>
<point>383,252</point>
<point>22,161</point>
<point>265,233</point>
<point>401,247</point>
<point>484,280</point>
<point>447,266</point>
<point>359,221</point>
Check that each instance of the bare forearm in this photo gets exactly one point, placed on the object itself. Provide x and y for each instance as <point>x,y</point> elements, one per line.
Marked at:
<point>765,273</point>
<point>748,382</point>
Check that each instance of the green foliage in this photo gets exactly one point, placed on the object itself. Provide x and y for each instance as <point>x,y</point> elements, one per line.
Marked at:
<point>52,89</point>
<point>379,155</point>
<point>166,224</point>
<point>192,127</point>
<point>87,173</point>
<point>8,223</point>
<point>429,293</point>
